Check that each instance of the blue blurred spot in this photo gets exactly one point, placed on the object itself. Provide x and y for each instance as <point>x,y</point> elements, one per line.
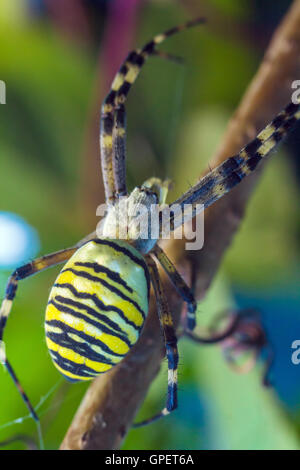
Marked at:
<point>19,242</point>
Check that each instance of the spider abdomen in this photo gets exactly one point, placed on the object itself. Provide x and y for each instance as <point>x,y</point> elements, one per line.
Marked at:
<point>96,308</point>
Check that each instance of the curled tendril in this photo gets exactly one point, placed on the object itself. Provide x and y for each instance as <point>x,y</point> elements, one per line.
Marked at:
<point>242,336</point>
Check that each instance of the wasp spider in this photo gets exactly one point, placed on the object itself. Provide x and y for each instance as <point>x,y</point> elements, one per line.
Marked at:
<point>99,302</point>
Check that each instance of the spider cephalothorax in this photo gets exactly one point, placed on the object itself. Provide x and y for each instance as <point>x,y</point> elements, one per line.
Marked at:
<point>99,301</point>
<point>133,217</point>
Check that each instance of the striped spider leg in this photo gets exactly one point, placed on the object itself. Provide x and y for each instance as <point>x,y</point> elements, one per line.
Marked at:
<point>233,170</point>
<point>113,114</point>
<point>170,341</point>
<point>180,285</point>
<point>19,274</point>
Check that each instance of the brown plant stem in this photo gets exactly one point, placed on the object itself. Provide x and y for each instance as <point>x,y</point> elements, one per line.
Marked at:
<point>110,404</point>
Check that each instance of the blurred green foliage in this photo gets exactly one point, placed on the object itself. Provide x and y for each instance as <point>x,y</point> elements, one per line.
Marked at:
<point>176,117</point>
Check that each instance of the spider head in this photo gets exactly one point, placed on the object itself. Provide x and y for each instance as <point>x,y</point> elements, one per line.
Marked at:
<point>135,218</point>
<point>130,219</point>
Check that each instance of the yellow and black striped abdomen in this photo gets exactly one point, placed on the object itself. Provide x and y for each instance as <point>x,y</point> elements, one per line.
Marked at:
<point>96,308</point>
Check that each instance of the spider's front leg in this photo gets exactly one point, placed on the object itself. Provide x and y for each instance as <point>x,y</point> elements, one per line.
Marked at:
<point>113,113</point>
<point>170,340</point>
<point>19,274</point>
<point>233,170</point>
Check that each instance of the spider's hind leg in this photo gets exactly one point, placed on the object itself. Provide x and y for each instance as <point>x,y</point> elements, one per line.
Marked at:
<point>180,285</point>
<point>170,343</point>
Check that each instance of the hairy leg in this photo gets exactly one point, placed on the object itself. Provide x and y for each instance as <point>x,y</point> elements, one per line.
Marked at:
<point>170,343</point>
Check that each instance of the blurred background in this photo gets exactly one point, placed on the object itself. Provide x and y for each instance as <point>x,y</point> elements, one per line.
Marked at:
<point>57,59</point>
